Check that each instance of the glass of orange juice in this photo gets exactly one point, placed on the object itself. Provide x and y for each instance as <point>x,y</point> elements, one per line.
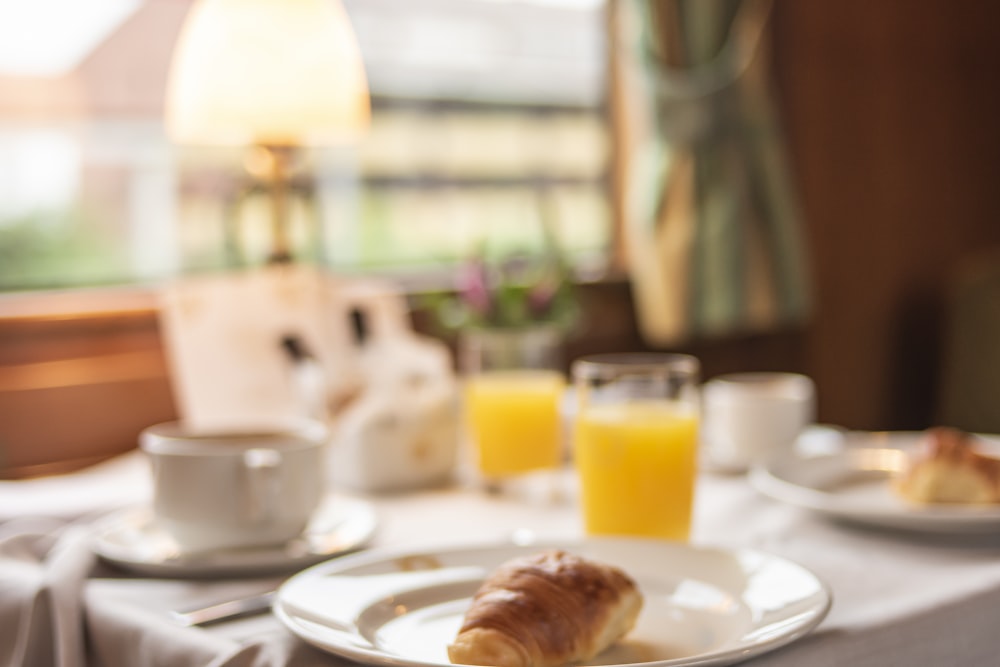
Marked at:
<point>513,393</point>
<point>635,443</point>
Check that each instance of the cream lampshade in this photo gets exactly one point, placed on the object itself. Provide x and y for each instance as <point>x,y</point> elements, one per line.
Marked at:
<point>274,74</point>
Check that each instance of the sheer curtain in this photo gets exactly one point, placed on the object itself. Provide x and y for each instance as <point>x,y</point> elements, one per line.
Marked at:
<point>711,225</point>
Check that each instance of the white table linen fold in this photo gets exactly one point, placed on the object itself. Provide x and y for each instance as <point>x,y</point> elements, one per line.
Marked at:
<point>43,570</point>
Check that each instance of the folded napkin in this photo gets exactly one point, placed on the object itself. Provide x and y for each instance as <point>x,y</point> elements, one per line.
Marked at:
<point>55,613</point>
<point>43,567</point>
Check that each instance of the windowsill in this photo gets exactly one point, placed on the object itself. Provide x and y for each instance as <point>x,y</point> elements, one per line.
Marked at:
<point>89,303</point>
<point>81,373</point>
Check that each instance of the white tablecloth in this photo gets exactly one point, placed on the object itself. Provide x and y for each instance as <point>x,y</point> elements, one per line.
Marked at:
<point>899,599</point>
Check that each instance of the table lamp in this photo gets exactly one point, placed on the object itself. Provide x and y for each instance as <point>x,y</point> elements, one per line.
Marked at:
<point>275,75</point>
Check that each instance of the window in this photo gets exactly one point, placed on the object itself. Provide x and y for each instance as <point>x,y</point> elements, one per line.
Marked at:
<point>488,121</point>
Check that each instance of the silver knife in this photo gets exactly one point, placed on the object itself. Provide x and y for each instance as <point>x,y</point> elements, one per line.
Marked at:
<point>225,611</point>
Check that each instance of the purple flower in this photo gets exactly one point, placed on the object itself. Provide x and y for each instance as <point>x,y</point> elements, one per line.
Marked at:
<point>473,286</point>
<point>540,299</point>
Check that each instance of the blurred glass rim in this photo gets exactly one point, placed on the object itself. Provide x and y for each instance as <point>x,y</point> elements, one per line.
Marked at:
<point>635,364</point>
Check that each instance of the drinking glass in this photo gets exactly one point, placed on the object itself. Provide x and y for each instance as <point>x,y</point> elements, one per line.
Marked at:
<point>513,392</point>
<point>635,443</point>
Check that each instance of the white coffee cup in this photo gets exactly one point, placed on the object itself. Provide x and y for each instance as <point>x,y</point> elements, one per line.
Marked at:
<point>747,417</point>
<point>227,490</point>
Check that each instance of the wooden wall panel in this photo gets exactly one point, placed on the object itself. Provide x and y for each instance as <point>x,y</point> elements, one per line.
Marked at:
<point>892,113</point>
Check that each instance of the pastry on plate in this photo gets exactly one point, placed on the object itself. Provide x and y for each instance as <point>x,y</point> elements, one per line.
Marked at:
<point>949,468</point>
<point>546,610</point>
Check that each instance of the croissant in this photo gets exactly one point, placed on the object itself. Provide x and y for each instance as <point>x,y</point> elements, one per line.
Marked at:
<point>950,470</point>
<point>545,610</point>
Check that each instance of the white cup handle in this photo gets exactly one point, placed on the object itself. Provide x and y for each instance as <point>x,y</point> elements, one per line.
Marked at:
<point>262,468</point>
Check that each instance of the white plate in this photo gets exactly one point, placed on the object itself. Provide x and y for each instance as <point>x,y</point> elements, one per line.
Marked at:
<point>132,539</point>
<point>701,606</point>
<point>850,480</point>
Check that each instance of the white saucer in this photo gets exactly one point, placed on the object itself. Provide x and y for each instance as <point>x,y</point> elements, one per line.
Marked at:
<point>131,539</point>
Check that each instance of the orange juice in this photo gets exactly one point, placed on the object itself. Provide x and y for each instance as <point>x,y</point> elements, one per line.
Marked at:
<point>514,417</point>
<point>636,463</point>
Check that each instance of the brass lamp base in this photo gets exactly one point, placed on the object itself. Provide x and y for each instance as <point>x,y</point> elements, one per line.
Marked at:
<point>272,164</point>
